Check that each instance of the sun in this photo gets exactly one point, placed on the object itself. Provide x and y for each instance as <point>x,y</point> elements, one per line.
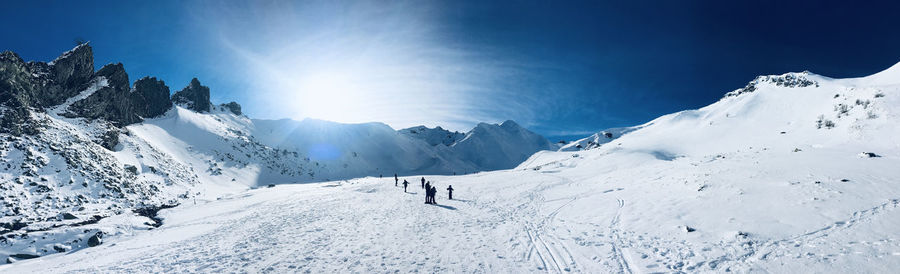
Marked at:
<point>330,95</point>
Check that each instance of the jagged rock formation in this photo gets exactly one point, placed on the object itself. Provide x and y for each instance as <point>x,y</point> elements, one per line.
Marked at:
<point>70,72</point>
<point>112,102</point>
<point>38,85</point>
<point>17,92</point>
<point>232,106</point>
<point>24,86</point>
<point>194,97</point>
<point>59,122</point>
<point>150,97</point>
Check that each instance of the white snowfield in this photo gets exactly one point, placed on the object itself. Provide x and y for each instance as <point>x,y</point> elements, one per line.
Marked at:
<point>598,139</point>
<point>796,173</point>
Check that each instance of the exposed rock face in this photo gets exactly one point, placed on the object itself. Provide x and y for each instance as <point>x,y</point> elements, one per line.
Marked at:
<point>18,90</point>
<point>232,106</point>
<point>118,103</point>
<point>194,97</point>
<point>112,103</point>
<point>790,80</point>
<point>35,85</point>
<point>150,97</point>
<point>71,72</point>
<point>58,167</point>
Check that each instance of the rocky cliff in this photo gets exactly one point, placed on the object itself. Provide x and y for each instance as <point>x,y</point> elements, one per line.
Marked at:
<point>194,97</point>
<point>35,86</point>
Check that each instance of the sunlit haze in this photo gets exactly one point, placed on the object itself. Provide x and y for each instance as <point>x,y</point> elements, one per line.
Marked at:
<point>564,71</point>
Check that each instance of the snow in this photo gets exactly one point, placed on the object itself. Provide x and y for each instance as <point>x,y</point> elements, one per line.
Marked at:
<point>433,136</point>
<point>489,145</point>
<point>184,157</point>
<point>887,77</point>
<point>755,182</point>
<point>598,139</point>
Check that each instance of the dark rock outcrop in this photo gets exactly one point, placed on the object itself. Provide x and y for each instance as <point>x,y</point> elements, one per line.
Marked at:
<point>194,97</point>
<point>18,92</point>
<point>109,139</point>
<point>112,102</point>
<point>95,240</point>
<point>150,97</point>
<point>24,256</point>
<point>35,86</point>
<point>232,106</point>
<point>71,72</point>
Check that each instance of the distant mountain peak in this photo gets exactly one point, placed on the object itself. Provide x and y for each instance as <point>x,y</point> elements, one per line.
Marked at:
<point>433,136</point>
<point>510,124</point>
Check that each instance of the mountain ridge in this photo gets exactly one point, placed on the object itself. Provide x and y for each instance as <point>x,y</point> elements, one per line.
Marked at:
<point>80,146</point>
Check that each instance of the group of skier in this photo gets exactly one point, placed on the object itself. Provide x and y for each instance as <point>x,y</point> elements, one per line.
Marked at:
<point>430,190</point>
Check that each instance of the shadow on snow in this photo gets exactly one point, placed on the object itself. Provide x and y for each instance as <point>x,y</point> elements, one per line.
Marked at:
<point>444,206</point>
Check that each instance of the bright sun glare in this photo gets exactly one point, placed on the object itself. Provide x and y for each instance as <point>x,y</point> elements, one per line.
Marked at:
<point>329,95</point>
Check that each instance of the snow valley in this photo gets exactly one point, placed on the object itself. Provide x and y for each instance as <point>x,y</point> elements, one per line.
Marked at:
<point>81,146</point>
<point>791,173</point>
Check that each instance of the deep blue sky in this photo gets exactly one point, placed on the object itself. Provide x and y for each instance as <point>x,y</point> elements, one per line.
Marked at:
<point>561,68</point>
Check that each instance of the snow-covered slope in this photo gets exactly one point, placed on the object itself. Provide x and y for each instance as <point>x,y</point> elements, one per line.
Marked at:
<point>343,151</point>
<point>598,139</point>
<point>500,146</point>
<point>222,151</point>
<point>794,173</point>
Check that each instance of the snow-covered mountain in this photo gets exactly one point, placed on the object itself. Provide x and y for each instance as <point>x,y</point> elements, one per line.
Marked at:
<point>597,139</point>
<point>79,148</point>
<point>793,173</point>
<point>434,136</point>
<point>345,151</point>
<point>794,110</point>
<point>489,145</point>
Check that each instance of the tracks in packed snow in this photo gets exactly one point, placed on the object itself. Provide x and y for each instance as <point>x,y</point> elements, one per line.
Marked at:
<point>617,243</point>
<point>552,254</point>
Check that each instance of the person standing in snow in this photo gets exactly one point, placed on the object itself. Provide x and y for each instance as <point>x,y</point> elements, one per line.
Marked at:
<point>396,179</point>
<point>427,192</point>
<point>423,182</point>
<point>450,192</point>
<point>405,183</point>
<point>433,194</point>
